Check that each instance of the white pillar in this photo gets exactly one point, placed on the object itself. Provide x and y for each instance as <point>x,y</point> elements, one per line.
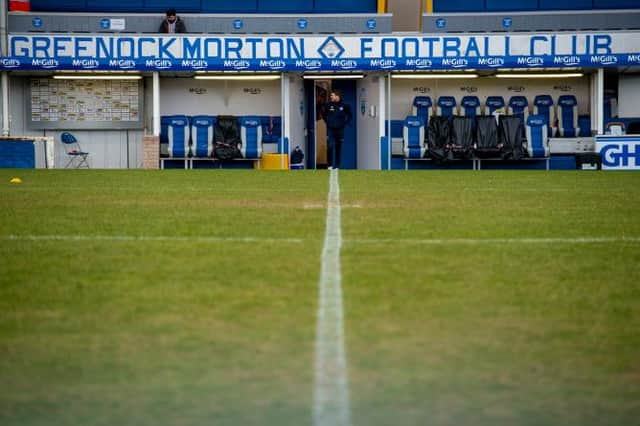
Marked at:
<point>156,104</point>
<point>600,101</point>
<point>388,118</point>
<point>382,114</point>
<point>5,104</point>
<point>285,104</point>
<point>5,76</point>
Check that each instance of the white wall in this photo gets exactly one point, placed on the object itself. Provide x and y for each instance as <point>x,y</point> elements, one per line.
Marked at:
<point>629,96</point>
<point>368,96</point>
<point>219,97</point>
<point>108,149</point>
<point>403,91</point>
<point>297,118</point>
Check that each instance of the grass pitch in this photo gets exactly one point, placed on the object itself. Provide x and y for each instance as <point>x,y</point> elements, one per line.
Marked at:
<point>196,305</point>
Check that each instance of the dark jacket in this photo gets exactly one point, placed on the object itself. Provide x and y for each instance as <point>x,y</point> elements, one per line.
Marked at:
<point>337,115</point>
<point>180,27</point>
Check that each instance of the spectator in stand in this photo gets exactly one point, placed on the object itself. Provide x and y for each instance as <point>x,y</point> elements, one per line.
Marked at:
<point>172,24</point>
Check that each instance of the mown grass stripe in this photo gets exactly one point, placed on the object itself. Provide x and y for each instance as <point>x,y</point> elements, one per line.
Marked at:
<point>144,238</point>
<point>331,398</point>
<point>480,241</point>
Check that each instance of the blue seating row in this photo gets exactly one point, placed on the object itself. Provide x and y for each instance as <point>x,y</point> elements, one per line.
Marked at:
<point>564,123</point>
<point>479,136</point>
<point>196,136</point>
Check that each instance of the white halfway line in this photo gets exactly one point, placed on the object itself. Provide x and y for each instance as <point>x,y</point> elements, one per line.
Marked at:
<point>331,391</point>
<point>194,238</point>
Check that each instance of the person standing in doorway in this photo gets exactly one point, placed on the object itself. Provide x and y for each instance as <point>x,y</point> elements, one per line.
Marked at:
<point>172,24</point>
<point>337,115</point>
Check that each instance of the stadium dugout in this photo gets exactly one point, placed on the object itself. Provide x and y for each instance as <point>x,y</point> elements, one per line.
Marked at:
<point>100,70</point>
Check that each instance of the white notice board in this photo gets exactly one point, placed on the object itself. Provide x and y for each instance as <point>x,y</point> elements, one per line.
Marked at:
<point>85,104</point>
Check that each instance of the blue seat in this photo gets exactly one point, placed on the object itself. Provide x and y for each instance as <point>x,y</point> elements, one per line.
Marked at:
<point>537,136</point>
<point>202,135</point>
<point>78,158</point>
<point>447,106</point>
<point>519,106</point>
<point>423,107</point>
<point>271,129</point>
<point>413,144</point>
<point>251,137</point>
<point>493,103</point>
<point>164,128</point>
<point>178,133</point>
<point>568,116</point>
<point>470,106</point>
<point>543,105</point>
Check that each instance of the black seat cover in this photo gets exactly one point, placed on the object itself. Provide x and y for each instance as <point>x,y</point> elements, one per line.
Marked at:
<point>487,143</point>
<point>511,131</point>
<point>462,136</point>
<point>226,138</point>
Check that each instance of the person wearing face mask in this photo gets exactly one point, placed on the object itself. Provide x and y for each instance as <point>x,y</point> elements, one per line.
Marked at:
<point>172,24</point>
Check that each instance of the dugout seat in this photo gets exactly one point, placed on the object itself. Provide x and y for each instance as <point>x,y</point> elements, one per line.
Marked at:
<point>462,136</point>
<point>226,138</point>
<point>511,132</point>
<point>271,129</point>
<point>568,116</point>
<point>440,139</point>
<point>413,140</point>
<point>178,134</point>
<point>202,135</point>
<point>493,103</point>
<point>487,141</point>
<point>447,106</point>
<point>470,106</point>
<point>250,137</point>
<point>423,107</point>
<point>537,136</point>
<point>519,106</point>
<point>543,106</point>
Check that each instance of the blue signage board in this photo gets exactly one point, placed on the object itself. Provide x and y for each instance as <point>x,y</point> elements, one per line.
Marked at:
<point>302,23</point>
<point>238,24</point>
<point>36,22</point>
<point>105,23</point>
<point>330,53</point>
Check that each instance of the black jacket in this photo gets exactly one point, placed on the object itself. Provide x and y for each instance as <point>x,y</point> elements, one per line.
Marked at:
<point>180,27</point>
<point>337,115</point>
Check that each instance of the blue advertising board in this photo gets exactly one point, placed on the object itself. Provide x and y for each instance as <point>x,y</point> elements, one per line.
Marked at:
<point>319,53</point>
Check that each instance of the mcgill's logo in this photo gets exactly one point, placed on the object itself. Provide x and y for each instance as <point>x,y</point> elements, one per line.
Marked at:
<point>530,61</point>
<point>491,62</point>
<point>10,63</point>
<point>123,64</point>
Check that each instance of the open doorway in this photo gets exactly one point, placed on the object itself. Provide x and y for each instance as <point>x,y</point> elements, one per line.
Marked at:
<point>318,91</point>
